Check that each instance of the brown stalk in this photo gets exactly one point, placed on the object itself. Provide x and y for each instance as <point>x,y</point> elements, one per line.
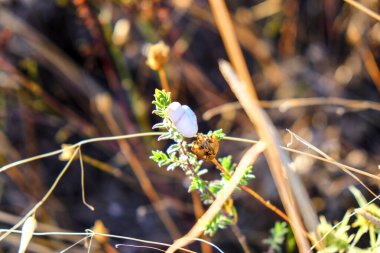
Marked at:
<point>370,64</point>
<point>278,161</point>
<point>241,238</point>
<point>199,211</point>
<point>249,157</point>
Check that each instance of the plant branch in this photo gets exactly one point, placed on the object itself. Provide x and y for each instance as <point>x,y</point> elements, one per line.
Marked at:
<point>224,194</point>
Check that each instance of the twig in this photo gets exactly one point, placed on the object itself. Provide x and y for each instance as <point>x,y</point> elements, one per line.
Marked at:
<point>364,9</point>
<point>241,238</point>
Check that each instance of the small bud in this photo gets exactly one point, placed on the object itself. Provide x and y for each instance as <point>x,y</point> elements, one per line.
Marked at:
<point>101,229</point>
<point>183,118</point>
<point>67,152</point>
<point>158,55</point>
<point>121,32</point>
<point>103,103</point>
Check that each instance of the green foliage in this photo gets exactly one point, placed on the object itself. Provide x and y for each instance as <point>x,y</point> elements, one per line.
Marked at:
<point>226,163</point>
<point>277,237</point>
<point>178,155</point>
<point>343,237</point>
<point>218,133</point>
<point>220,221</point>
<point>161,100</point>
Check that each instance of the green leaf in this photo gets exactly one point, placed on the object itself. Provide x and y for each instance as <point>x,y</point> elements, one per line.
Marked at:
<point>226,162</point>
<point>277,237</point>
<point>173,148</point>
<point>160,158</point>
<point>197,184</point>
<point>172,166</point>
<point>358,196</point>
<point>164,136</point>
<point>215,186</point>
<point>220,221</point>
<point>160,125</point>
<point>219,133</point>
<point>161,99</point>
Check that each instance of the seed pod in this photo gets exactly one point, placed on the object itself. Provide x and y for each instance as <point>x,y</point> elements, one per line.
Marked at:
<point>183,118</point>
<point>206,147</point>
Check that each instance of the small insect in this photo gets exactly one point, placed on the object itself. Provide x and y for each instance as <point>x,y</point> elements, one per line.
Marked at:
<point>206,147</point>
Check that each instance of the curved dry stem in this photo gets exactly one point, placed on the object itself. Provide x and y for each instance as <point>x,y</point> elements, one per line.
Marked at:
<point>92,140</point>
<point>82,182</point>
<point>47,195</point>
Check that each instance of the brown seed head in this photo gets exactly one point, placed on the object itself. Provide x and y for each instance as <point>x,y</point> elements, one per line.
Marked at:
<point>206,147</point>
<point>158,55</point>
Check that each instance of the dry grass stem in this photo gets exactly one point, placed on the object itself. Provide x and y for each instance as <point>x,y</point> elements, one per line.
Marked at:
<point>364,9</point>
<point>287,182</point>
<point>82,182</point>
<point>249,157</point>
<point>364,173</point>
<point>370,64</point>
<point>46,196</point>
<point>309,145</point>
<point>285,104</point>
<point>277,160</point>
<point>76,145</point>
<point>89,234</point>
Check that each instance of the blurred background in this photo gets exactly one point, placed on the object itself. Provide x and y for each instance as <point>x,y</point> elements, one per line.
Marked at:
<point>58,56</point>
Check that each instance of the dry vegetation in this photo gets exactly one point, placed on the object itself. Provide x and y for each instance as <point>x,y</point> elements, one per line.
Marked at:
<point>77,79</point>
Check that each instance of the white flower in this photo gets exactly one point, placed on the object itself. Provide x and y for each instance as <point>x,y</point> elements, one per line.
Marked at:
<point>183,118</point>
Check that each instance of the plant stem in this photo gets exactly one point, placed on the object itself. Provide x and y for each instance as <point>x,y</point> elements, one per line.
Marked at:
<point>253,193</point>
<point>163,79</point>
